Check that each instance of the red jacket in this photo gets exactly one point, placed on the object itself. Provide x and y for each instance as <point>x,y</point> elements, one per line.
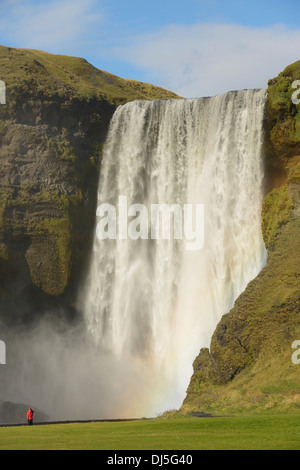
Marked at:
<point>30,414</point>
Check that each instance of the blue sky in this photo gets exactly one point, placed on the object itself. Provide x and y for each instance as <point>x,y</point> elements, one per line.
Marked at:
<point>193,47</point>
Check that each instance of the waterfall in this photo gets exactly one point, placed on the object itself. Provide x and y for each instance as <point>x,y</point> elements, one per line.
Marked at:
<point>151,304</point>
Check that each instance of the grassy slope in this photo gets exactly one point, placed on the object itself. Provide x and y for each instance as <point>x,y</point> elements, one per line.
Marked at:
<point>249,366</point>
<point>264,432</point>
<point>254,341</point>
<point>38,72</point>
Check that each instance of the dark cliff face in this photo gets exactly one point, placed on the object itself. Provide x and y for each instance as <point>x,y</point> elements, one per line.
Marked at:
<point>249,364</point>
<point>52,131</point>
<point>50,153</point>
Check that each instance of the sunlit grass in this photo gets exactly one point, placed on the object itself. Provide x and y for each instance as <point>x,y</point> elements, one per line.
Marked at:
<point>255,432</point>
<point>46,75</point>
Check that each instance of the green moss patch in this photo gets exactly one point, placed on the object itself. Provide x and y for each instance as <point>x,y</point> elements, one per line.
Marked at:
<point>282,114</point>
<point>275,213</point>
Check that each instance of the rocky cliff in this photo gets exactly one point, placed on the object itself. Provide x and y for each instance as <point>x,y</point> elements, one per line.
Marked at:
<point>249,364</point>
<point>52,130</point>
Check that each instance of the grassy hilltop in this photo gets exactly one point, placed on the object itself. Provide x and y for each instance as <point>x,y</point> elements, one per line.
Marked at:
<point>38,73</point>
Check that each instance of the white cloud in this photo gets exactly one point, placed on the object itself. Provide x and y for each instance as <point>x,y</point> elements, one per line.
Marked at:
<point>196,60</point>
<point>208,59</point>
<point>49,25</point>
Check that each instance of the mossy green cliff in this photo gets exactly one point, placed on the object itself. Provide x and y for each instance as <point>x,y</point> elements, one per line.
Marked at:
<point>249,364</point>
<point>52,131</point>
<point>282,147</point>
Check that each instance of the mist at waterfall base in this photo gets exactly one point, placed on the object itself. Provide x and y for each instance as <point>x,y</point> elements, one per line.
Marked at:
<point>148,306</point>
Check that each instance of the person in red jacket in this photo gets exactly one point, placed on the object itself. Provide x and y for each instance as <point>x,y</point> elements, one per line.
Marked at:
<point>30,416</point>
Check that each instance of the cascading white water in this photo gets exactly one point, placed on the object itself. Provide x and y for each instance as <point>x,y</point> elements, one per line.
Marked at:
<point>151,304</point>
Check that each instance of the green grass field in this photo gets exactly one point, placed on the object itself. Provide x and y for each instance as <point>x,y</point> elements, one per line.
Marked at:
<point>256,432</point>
